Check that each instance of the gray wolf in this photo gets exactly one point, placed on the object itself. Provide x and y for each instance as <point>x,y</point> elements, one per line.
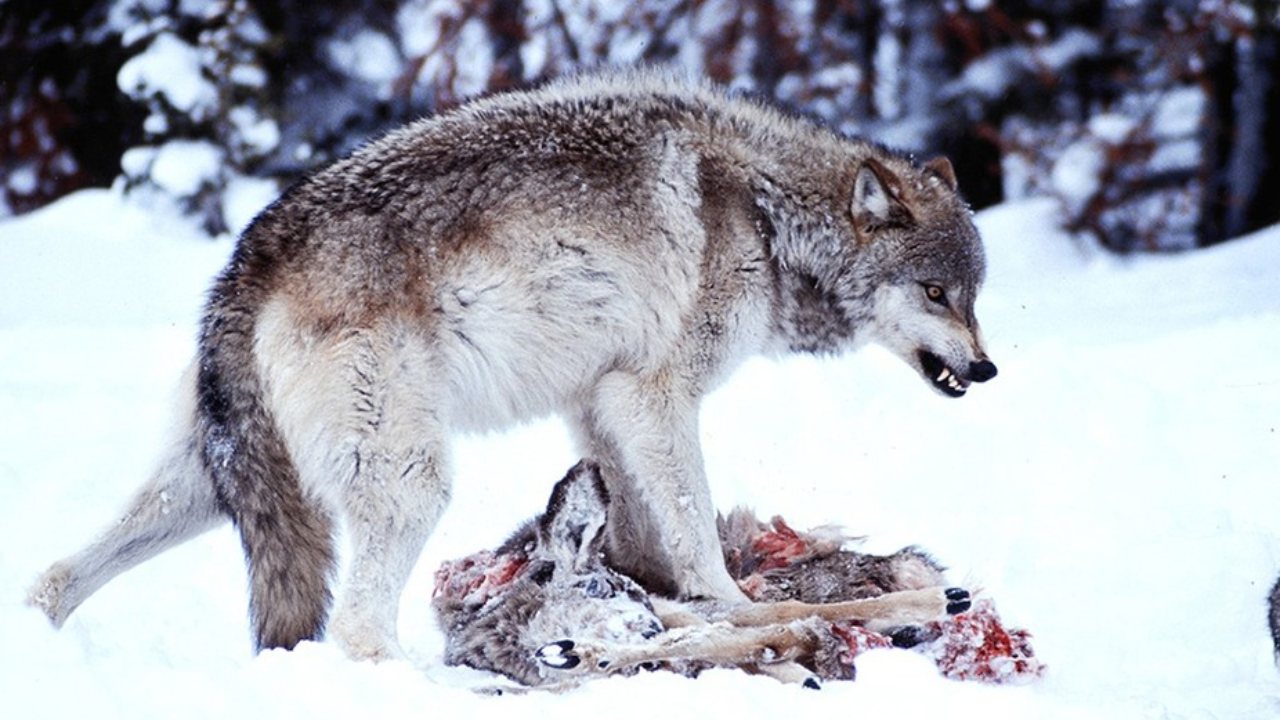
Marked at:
<point>546,610</point>
<point>608,248</point>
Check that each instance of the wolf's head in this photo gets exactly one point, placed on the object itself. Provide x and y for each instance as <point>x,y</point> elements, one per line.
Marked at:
<point>925,260</point>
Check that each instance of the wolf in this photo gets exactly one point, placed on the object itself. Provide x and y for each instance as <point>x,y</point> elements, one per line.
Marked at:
<point>547,610</point>
<point>608,248</point>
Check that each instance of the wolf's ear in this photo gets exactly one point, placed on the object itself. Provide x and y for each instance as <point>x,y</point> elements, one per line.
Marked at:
<point>874,201</point>
<point>569,532</point>
<point>941,167</point>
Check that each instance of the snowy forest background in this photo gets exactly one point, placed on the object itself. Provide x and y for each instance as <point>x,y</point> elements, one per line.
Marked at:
<point>1154,125</point>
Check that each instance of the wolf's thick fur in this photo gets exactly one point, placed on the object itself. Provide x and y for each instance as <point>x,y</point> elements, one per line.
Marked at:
<point>548,611</point>
<point>608,248</point>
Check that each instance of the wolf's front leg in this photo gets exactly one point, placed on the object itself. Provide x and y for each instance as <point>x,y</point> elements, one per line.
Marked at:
<point>662,523</point>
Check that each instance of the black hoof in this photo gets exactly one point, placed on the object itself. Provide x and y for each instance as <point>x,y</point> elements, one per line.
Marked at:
<point>957,594</point>
<point>812,683</point>
<point>907,637</point>
<point>559,655</point>
<point>956,608</point>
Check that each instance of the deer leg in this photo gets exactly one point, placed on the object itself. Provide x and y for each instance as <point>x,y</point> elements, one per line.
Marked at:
<point>891,610</point>
<point>719,644</point>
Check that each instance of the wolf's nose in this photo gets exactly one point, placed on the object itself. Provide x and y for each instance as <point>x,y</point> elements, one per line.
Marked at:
<point>982,371</point>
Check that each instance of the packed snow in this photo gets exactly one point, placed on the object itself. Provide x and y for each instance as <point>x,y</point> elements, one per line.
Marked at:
<point>1113,491</point>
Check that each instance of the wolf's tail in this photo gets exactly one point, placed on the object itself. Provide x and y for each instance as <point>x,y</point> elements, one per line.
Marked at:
<point>287,537</point>
<point>1273,617</point>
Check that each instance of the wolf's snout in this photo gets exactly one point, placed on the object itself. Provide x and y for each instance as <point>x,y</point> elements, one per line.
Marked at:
<point>982,371</point>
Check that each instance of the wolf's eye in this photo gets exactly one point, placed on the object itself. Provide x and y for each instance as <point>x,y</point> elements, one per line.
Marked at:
<point>936,294</point>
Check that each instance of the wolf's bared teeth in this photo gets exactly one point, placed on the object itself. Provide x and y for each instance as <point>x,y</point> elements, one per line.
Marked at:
<point>945,372</point>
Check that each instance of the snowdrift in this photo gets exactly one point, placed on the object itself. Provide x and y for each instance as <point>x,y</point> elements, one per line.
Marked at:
<point>1115,488</point>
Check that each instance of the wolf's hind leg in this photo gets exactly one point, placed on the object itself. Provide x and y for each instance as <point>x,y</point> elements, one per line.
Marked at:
<point>396,488</point>
<point>391,508</point>
<point>177,504</point>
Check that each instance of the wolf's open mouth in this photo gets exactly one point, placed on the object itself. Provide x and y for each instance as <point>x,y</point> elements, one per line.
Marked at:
<point>942,377</point>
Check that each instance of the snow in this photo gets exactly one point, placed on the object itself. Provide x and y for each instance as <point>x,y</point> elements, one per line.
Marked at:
<point>136,161</point>
<point>368,55</point>
<point>156,124</point>
<point>421,26</point>
<point>1113,490</point>
<point>244,197</point>
<point>23,179</point>
<point>258,133</point>
<point>1076,174</point>
<point>1179,113</point>
<point>1074,44</point>
<point>137,19</point>
<point>182,167</point>
<point>991,75</point>
<point>419,22</point>
<point>1176,155</point>
<point>169,67</point>
<point>1111,128</point>
<point>888,88</point>
<point>249,76</point>
<point>472,76</point>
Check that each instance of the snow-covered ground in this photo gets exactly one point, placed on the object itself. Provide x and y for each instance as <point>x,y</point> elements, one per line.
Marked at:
<point>1115,490</point>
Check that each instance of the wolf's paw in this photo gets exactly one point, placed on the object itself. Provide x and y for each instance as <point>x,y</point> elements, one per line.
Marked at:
<point>958,600</point>
<point>48,592</point>
<point>363,642</point>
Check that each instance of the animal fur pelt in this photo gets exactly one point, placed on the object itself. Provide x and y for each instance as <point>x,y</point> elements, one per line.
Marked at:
<point>773,562</point>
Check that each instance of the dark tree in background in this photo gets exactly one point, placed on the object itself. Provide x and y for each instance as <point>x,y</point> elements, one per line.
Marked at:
<point>63,123</point>
<point>1155,125</point>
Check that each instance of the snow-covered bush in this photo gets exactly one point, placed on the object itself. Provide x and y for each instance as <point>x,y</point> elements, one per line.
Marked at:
<point>61,126</point>
<point>1153,123</point>
<point>1131,115</point>
<point>200,77</point>
<point>1132,180</point>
